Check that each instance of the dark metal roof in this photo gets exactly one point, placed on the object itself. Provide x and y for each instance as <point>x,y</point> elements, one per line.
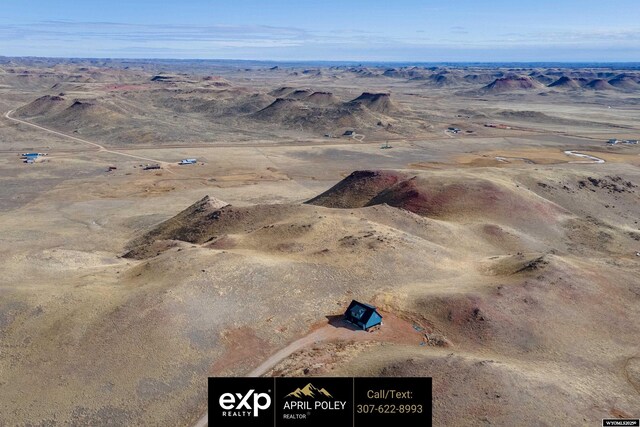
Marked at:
<point>359,313</point>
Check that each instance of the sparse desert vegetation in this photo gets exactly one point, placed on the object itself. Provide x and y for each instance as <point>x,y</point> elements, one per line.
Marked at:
<point>507,265</point>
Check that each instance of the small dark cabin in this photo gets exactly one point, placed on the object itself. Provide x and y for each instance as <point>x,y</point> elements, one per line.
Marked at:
<point>362,315</point>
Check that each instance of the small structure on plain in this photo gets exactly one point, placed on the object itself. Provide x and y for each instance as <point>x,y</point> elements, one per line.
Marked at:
<point>362,315</point>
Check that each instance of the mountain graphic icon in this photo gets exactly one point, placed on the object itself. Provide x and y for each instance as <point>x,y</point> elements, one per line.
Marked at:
<point>309,391</point>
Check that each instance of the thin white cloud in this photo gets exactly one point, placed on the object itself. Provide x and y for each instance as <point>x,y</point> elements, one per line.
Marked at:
<point>74,38</point>
<point>120,33</point>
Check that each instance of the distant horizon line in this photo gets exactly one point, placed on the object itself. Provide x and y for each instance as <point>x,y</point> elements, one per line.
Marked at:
<point>327,61</point>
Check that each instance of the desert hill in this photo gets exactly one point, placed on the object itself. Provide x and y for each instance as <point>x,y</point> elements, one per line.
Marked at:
<point>85,111</point>
<point>215,103</point>
<point>217,81</point>
<point>512,83</point>
<point>322,98</point>
<point>480,78</point>
<point>487,208</point>
<point>72,113</point>
<point>357,189</point>
<point>599,84</point>
<point>47,104</point>
<point>282,91</point>
<point>566,82</point>
<point>541,77</point>
<point>410,73</point>
<point>299,94</point>
<point>322,111</point>
<point>625,82</point>
<point>378,102</point>
<point>363,72</point>
<point>443,80</point>
<point>440,196</point>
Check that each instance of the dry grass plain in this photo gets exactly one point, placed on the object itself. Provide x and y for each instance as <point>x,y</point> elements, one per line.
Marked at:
<point>122,291</point>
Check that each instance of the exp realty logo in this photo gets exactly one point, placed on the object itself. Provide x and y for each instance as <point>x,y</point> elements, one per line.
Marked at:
<point>314,402</point>
<point>241,402</point>
<point>320,402</point>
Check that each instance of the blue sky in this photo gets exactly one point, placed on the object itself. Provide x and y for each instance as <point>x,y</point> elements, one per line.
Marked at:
<point>344,30</point>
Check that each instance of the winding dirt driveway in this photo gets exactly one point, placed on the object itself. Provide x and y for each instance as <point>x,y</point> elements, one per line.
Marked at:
<point>592,159</point>
<point>394,329</point>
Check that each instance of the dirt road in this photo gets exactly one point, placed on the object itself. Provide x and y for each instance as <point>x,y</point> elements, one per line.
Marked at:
<point>394,329</point>
<point>585,156</point>
<point>99,147</point>
<point>273,360</point>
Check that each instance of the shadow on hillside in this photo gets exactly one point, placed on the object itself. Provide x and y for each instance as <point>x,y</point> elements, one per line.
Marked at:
<point>337,321</point>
